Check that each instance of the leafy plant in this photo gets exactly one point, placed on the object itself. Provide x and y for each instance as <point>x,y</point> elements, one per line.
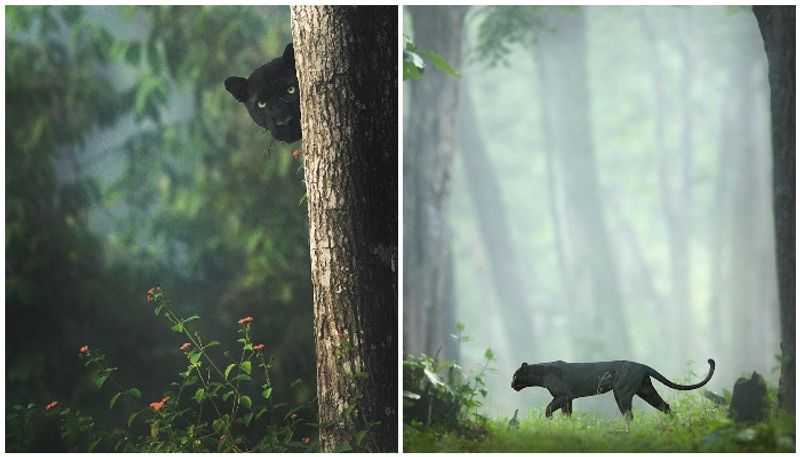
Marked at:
<point>441,392</point>
<point>207,408</point>
<point>414,65</point>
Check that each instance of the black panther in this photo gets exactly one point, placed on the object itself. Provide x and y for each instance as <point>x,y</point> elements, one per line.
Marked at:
<point>566,381</point>
<point>272,96</point>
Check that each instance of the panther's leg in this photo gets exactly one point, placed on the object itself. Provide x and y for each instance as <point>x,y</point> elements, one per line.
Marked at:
<point>649,394</point>
<point>567,408</point>
<point>555,405</point>
<point>624,402</point>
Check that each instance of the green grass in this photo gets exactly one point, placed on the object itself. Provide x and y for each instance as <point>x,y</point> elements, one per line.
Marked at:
<point>694,426</point>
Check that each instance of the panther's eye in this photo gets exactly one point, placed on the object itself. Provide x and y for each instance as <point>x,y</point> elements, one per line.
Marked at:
<point>261,105</point>
<point>291,90</point>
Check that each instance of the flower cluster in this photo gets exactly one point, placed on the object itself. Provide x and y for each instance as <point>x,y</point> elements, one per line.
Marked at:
<point>84,349</point>
<point>157,405</point>
<point>51,405</point>
<point>185,346</point>
<point>153,293</point>
<point>258,347</point>
<point>246,320</point>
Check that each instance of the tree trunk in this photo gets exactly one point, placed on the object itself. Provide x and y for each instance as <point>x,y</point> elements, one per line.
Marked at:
<point>561,54</point>
<point>777,24</point>
<point>429,144</point>
<point>484,186</point>
<point>347,69</point>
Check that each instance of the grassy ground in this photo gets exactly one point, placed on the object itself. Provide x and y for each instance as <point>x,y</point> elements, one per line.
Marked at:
<point>694,426</point>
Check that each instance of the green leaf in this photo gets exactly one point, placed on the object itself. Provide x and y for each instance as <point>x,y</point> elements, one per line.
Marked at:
<point>228,370</point>
<point>297,382</point>
<point>134,392</point>
<point>133,55</point>
<point>441,64</point>
<point>178,327</point>
<point>261,412</point>
<point>360,436</point>
<point>246,401</point>
<point>411,395</point>
<point>191,318</point>
<point>242,377</point>
<point>227,395</point>
<point>362,375</point>
<point>194,358</point>
<point>247,367</point>
<point>488,355</point>
<point>433,378</point>
<point>199,395</point>
<point>114,400</point>
<point>266,393</point>
<point>247,418</point>
<point>93,444</point>
<point>101,380</point>
<point>212,344</point>
<point>349,409</point>
<point>132,417</point>
<point>218,424</point>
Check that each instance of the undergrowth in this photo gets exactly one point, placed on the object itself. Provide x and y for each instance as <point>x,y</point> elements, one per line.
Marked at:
<point>220,402</point>
<point>695,425</point>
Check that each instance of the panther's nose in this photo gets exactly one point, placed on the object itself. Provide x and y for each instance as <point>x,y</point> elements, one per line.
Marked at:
<point>283,122</point>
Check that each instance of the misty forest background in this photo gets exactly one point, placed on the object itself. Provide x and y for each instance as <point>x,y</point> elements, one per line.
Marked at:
<point>129,166</point>
<point>609,195</point>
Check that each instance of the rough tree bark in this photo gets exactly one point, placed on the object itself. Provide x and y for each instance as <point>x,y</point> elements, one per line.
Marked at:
<point>429,144</point>
<point>777,24</point>
<point>347,69</point>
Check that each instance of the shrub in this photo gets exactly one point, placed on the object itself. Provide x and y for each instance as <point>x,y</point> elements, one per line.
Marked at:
<point>208,407</point>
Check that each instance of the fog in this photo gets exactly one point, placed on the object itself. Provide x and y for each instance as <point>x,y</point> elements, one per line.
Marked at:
<point>608,196</point>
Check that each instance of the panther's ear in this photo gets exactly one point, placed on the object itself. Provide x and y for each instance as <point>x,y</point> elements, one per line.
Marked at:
<point>288,54</point>
<point>237,86</point>
<point>524,364</point>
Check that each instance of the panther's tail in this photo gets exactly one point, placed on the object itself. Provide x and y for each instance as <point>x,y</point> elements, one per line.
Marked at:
<point>672,385</point>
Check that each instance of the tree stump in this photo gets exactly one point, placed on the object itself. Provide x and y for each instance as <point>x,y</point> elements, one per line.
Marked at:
<point>749,401</point>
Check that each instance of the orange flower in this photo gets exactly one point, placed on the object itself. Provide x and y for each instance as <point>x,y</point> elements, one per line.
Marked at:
<point>307,441</point>
<point>51,405</point>
<point>246,320</point>
<point>156,405</point>
<point>164,400</point>
<point>152,292</point>
<point>84,348</point>
<point>185,347</point>
<point>258,347</point>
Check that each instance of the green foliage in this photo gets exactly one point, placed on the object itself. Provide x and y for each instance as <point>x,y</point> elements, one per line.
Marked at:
<point>441,392</point>
<point>501,27</point>
<point>695,426</point>
<point>414,65</point>
<point>217,417</point>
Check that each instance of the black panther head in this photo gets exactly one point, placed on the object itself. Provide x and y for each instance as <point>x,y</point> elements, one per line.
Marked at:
<point>271,96</point>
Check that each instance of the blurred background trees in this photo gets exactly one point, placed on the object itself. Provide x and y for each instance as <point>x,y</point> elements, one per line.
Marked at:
<point>128,165</point>
<point>632,150</point>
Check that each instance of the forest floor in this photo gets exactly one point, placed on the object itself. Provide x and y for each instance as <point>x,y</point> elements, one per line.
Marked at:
<point>692,427</point>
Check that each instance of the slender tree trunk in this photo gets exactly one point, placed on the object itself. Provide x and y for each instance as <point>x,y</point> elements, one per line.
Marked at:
<point>777,24</point>
<point>561,53</point>
<point>487,196</point>
<point>347,70</point>
<point>429,144</point>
